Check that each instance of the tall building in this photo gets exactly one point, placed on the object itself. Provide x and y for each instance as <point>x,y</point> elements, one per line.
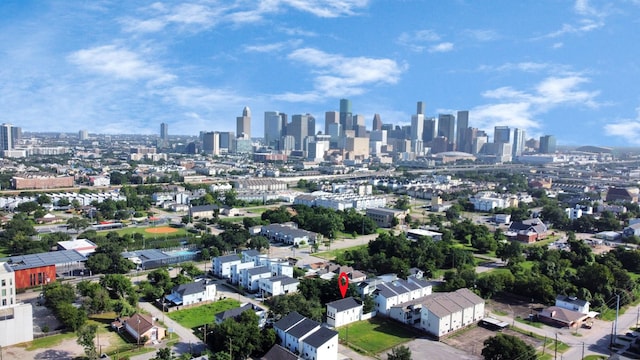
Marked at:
<point>301,126</point>
<point>547,144</point>
<point>243,123</point>
<point>211,143</point>
<point>479,143</point>
<point>446,128</point>
<point>421,108</point>
<point>227,142</point>
<point>272,128</point>
<point>330,117</point>
<point>346,120</point>
<point>518,142</point>
<point>164,131</point>
<point>462,123</point>
<point>501,135</point>
<point>377,122</point>
<point>429,130</point>
<point>83,135</point>
<point>6,137</point>
<point>417,127</point>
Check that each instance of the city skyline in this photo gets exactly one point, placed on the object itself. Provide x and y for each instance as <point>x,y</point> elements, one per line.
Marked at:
<point>561,68</point>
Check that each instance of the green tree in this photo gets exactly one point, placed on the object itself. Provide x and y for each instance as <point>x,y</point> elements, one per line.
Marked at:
<point>399,353</point>
<point>507,347</point>
<point>86,335</point>
<point>58,293</point>
<point>70,316</point>
<point>119,286</point>
<point>77,223</point>
<point>163,354</point>
<point>258,243</point>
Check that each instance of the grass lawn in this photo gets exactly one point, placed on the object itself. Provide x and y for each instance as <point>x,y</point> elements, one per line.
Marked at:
<point>4,252</point>
<point>331,254</point>
<point>375,335</point>
<point>49,341</point>
<point>198,316</point>
<point>529,322</point>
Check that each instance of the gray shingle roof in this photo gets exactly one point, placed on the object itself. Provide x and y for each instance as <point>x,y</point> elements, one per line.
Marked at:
<point>320,337</point>
<point>190,288</point>
<point>303,328</point>
<point>288,321</point>
<point>344,304</point>
<point>258,270</point>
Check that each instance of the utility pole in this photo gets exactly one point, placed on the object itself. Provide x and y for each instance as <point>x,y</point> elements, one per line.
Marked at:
<point>615,324</point>
<point>230,349</point>
<point>555,351</point>
<point>582,357</point>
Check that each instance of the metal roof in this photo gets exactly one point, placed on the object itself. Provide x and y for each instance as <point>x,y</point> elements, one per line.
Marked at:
<point>30,261</point>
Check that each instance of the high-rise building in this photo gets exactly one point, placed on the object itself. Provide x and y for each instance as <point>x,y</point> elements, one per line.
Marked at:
<point>501,135</point>
<point>346,120</point>
<point>330,117</point>
<point>301,126</point>
<point>228,142</point>
<point>6,137</point>
<point>417,127</point>
<point>211,143</point>
<point>243,123</point>
<point>547,144</point>
<point>479,143</point>
<point>462,123</point>
<point>377,122</point>
<point>83,135</point>
<point>164,131</point>
<point>446,128</point>
<point>429,130</point>
<point>272,128</point>
<point>421,108</point>
<point>518,142</point>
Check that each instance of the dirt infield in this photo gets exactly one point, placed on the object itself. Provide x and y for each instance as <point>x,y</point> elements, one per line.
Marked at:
<point>161,230</point>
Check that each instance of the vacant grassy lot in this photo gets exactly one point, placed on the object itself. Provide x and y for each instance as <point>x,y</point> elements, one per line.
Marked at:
<point>331,254</point>
<point>198,316</point>
<point>375,335</point>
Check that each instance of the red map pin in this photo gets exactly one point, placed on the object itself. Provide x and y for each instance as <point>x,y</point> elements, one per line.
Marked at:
<point>343,283</point>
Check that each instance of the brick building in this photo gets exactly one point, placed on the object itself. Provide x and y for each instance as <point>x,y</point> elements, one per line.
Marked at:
<point>41,182</point>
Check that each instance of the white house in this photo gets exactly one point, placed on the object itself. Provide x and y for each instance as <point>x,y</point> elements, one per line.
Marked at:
<point>320,345</point>
<point>221,265</point>
<point>295,335</point>
<point>399,291</point>
<point>344,311</point>
<point>285,323</point>
<point>443,313</point>
<point>287,234</point>
<point>249,277</point>
<point>236,271</point>
<point>306,338</point>
<point>192,293</point>
<point>572,303</point>
<point>278,285</point>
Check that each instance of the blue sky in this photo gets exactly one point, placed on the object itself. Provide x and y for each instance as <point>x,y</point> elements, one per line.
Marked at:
<point>568,68</point>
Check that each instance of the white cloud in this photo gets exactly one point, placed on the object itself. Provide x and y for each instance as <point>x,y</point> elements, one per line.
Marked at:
<point>417,40</point>
<point>519,108</point>
<point>119,62</point>
<point>628,129</point>
<point>442,47</point>
<point>482,34</point>
<point>203,15</point>
<point>337,75</point>
<point>583,26</point>
<point>278,46</point>
<point>527,66</point>
<point>583,7</point>
<point>557,45</point>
